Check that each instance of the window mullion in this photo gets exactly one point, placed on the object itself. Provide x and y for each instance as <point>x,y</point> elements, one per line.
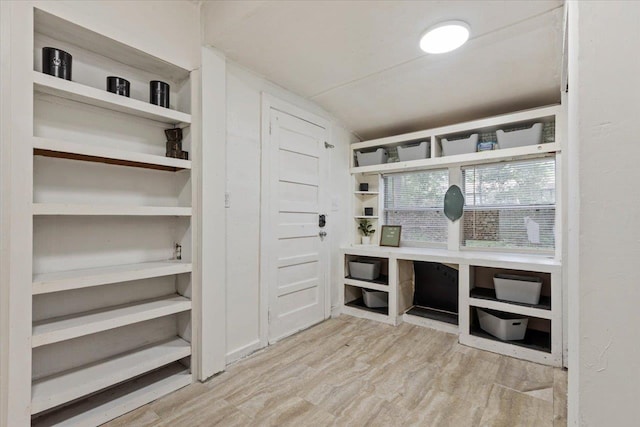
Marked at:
<point>455,227</point>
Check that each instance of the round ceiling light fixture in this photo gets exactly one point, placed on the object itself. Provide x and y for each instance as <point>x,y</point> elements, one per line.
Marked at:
<point>445,37</point>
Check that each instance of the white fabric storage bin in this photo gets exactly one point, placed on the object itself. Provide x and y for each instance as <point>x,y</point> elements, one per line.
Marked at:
<point>375,299</point>
<point>520,138</point>
<point>377,157</point>
<point>517,288</point>
<point>414,151</point>
<point>365,270</point>
<point>505,326</point>
<point>460,146</point>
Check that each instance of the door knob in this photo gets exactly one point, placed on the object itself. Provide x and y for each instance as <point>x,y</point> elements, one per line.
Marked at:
<point>322,233</point>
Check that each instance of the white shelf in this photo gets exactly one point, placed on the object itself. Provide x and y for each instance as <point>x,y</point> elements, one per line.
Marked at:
<point>60,29</point>
<point>367,285</point>
<point>64,328</point>
<point>50,85</point>
<point>536,114</point>
<point>430,323</point>
<point>76,151</point>
<point>76,279</point>
<point>73,384</point>
<point>509,349</point>
<point>119,400</point>
<point>108,210</point>
<point>365,217</point>
<point>366,193</point>
<point>366,314</point>
<point>544,264</point>
<point>529,151</point>
<point>511,308</point>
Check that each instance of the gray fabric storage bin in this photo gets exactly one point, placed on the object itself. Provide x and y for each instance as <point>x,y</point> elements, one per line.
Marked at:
<point>375,299</point>
<point>377,157</point>
<point>365,270</point>
<point>520,138</point>
<point>518,288</point>
<point>505,326</point>
<point>414,151</point>
<point>460,146</point>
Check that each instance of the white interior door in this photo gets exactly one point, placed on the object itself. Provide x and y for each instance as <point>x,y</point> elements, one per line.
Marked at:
<point>297,258</point>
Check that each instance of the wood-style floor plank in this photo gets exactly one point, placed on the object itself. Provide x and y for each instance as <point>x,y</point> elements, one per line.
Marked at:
<point>357,372</point>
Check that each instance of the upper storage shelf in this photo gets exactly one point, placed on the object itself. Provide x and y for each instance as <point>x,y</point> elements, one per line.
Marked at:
<point>438,142</point>
<point>44,83</point>
<point>68,32</point>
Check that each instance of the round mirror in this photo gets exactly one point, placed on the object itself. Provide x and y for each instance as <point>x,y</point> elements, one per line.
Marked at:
<point>453,203</point>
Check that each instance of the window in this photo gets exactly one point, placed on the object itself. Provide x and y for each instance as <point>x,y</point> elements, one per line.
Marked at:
<point>510,205</point>
<point>415,201</point>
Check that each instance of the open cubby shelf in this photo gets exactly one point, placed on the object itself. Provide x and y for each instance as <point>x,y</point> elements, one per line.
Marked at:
<point>75,279</point>
<point>62,209</point>
<point>114,157</point>
<point>63,328</point>
<point>431,313</point>
<point>73,384</point>
<point>73,91</point>
<point>115,401</point>
<point>490,294</point>
<point>359,303</point>
<point>534,339</point>
<point>381,280</point>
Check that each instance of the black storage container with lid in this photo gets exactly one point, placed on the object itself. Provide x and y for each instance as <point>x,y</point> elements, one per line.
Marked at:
<point>118,85</point>
<point>56,62</point>
<point>159,93</point>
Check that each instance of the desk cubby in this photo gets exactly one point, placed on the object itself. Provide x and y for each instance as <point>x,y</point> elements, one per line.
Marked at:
<point>543,340</point>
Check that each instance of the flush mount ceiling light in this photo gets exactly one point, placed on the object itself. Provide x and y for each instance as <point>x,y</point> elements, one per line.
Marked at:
<point>445,37</point>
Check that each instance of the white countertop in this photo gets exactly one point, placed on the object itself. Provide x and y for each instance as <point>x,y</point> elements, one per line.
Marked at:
<point>545,263</point>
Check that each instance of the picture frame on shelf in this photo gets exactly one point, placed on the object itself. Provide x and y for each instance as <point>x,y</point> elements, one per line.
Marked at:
<point>390,235</point>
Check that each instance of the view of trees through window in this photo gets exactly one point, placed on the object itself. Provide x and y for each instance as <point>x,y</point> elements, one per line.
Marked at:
<point>415,201</point>
<point>510,205</point>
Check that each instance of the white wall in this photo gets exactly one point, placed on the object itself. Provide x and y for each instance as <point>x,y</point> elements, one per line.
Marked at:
<point>604,90</point>
<point>243,216</point>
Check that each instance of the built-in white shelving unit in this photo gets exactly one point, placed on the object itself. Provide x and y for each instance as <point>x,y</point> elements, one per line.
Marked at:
<point>543,341</point>
<point>108,280</point>
<point>366,199</point>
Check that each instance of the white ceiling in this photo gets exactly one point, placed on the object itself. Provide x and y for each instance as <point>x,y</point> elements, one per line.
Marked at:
<point>360,60</point>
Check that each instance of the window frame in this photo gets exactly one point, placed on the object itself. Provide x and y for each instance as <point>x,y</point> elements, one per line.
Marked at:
<point>517,250</point>
<point>415,243</point>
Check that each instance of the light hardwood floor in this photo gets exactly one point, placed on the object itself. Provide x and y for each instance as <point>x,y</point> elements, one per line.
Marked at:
<point>355,372</point>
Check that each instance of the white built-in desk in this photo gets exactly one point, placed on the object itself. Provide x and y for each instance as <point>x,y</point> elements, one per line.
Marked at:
<point>544,340</point>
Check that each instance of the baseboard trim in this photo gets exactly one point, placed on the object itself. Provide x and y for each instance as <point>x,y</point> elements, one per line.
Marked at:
<point>243,351</point>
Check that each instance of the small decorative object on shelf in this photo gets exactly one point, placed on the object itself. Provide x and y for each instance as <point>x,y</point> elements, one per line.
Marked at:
<point>159,93</point>
<point>368,211</point>
<point>178,251</point>
<point>118,85</point>
<point>174,144</point>
<point>390,235</point>
<point>364,186</point>
<point>367,231</point>
<point>486,146</point>
<point>56,62</point>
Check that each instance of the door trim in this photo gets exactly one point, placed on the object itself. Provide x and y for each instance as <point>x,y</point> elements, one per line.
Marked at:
<point>271,102</point>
